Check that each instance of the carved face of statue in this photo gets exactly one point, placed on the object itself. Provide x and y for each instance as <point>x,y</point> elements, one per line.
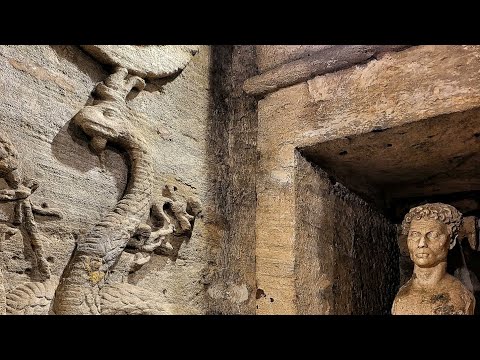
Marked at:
<point>428,242</point>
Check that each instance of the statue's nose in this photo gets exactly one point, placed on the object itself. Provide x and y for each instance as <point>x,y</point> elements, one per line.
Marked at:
<point>422,243</point>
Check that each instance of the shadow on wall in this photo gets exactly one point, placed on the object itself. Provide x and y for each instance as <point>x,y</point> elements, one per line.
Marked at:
<point>70,147</point>
<point>70,144</point>
<point>231,168</point>
<point>216,218</point>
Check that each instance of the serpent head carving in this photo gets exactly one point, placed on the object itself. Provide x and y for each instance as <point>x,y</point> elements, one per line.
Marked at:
<point>85,286</point>
<point>109,118</point>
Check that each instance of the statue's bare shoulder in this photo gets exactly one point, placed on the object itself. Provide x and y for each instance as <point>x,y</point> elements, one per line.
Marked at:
<point>451,297</point>
<point>460,295</point>
<point>403,293</point>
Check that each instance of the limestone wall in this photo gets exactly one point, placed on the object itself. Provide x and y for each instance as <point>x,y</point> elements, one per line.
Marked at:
<point>346,256</point>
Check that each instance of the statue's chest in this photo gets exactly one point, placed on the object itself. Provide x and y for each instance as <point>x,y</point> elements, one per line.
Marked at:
<point>423,303</point>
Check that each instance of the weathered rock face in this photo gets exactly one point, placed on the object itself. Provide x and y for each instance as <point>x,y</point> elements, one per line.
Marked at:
<point>292,65</point>
<point>269,57</point>
<point>43,88</point>
<point>150,61</point>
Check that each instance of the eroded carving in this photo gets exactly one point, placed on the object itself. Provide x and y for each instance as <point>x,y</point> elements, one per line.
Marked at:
<point>24,211</point>
<point>432,230</point>
<point>84,287</point>
<point>33,297</point>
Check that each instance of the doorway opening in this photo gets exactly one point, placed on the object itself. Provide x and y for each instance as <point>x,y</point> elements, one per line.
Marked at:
<point>352,194</point>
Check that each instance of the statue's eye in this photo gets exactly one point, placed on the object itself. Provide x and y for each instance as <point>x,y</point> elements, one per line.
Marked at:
<point>432,235</point>
<point>414,234</point>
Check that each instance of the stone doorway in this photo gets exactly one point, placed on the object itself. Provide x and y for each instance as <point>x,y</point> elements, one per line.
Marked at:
<point>352,194</point>
<point>359,139</point>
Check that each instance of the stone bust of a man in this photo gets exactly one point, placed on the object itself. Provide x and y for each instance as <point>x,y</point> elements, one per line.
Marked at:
<point>431,231</point>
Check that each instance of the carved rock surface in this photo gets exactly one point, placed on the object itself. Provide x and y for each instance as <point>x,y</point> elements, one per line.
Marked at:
<point>150,61</point>
<point>31,298</point>
<point>43,88</point>
<point>126,299</point>
<point>269,57</point>
<point>311,62</point>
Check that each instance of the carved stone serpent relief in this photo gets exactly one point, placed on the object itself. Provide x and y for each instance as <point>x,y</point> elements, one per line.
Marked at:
<point>85,287</point>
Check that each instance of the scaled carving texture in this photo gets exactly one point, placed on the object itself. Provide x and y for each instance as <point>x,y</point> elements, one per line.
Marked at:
<point>84,287</point>
<point>150,227</point>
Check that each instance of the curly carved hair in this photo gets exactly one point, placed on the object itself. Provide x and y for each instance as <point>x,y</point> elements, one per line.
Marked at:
<point>437,211</point>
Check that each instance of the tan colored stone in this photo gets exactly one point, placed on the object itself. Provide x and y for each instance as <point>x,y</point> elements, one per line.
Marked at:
<point>271,56</point>
<point>345,250</point>
<point>150,61</point>
<point>326,59</point>
<point>275,220</point>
